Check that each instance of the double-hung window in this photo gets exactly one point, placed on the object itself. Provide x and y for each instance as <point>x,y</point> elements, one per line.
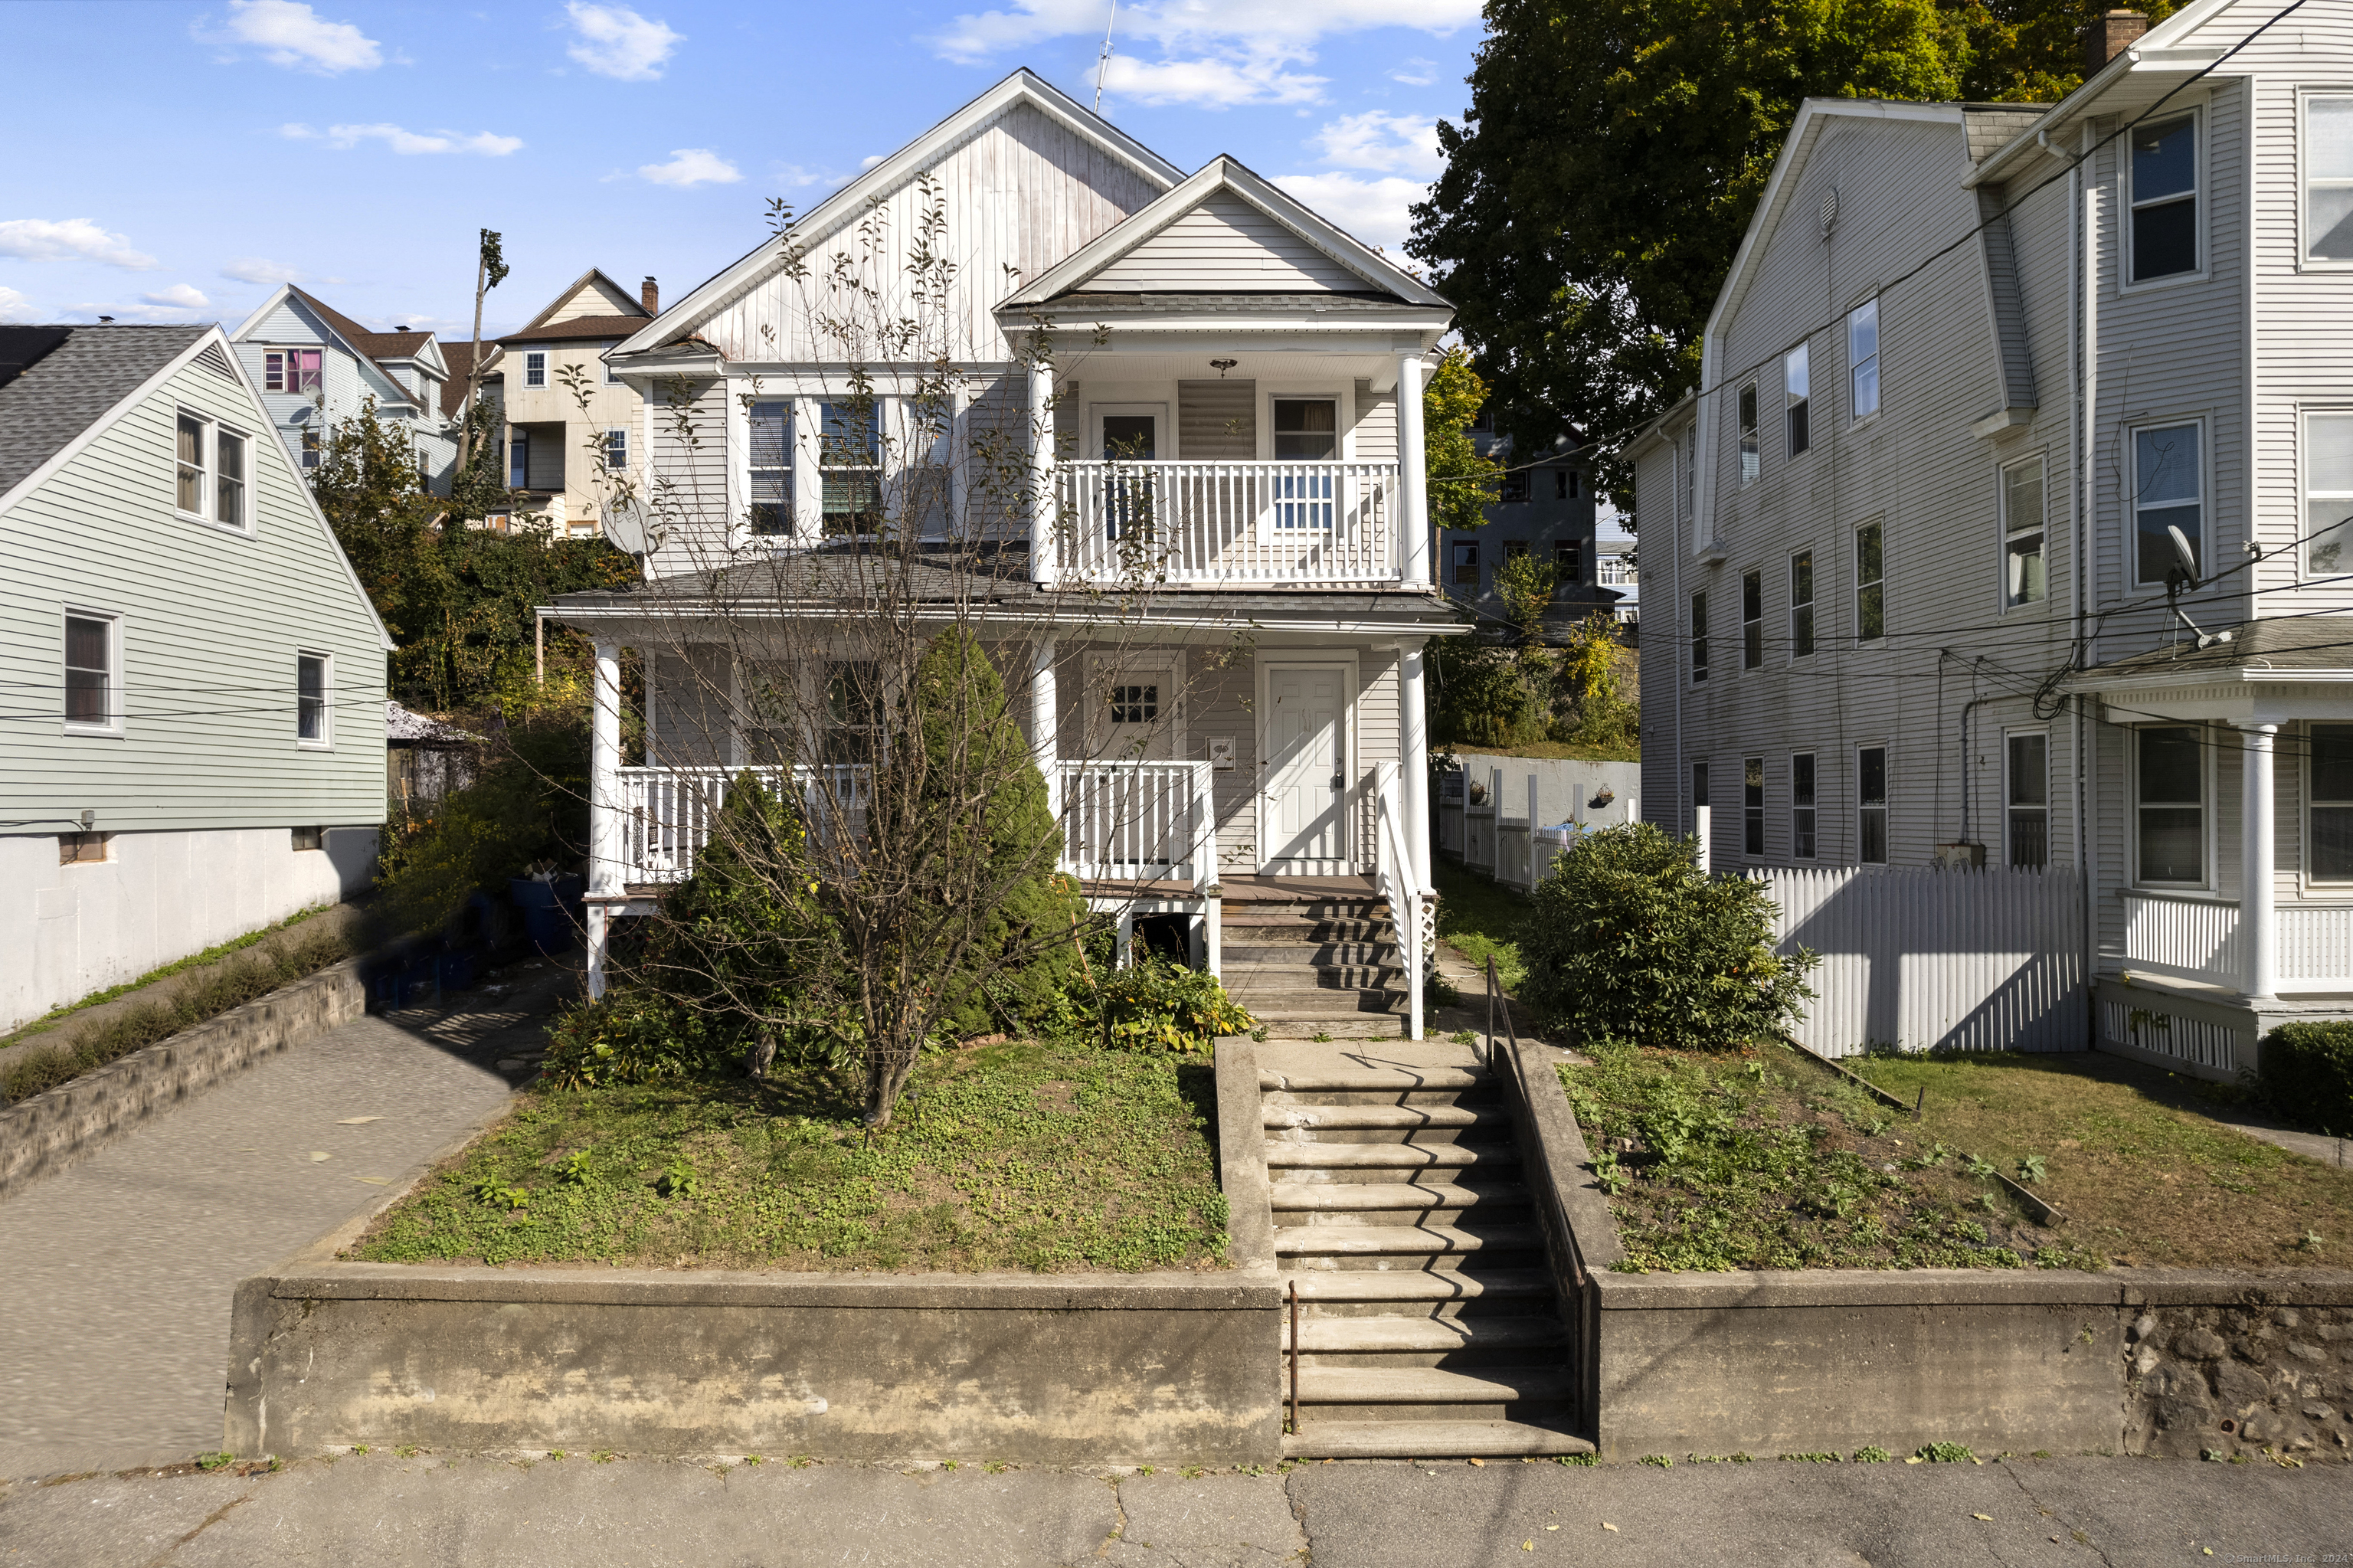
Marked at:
<point>616,450</point>
<point>312,693</point>
<point>2331,808</point>
<point>1699,638</point>
<point>2327,494</point>
<point>291,370</point>
<point>2026,790</point>
<point>229,484</point>
<point>2169,805</point>
<point>1750,461</point>
<point>2165,198</point>
<point>1567,564</point>
<point>1801,805</point>
<point>1801,604</point>
<point>1796,390</point>
<point>849,467</point>
<point>1871,804</point>
<point>209,471</point>
<point>1463,563</point>
<point>768,468</point>
<point>92,652</point>
<point>1870,588</point>
<point>2022,576</point>
<point>2166,495</point>
<point>314,448</point>
<point>191,489</point>
<point>2328,178</point>
<point>1752,620</point>
<point>535,369</point>
<point>1752,807</point>
<point>1862,358</point>
<point>1306,430</point>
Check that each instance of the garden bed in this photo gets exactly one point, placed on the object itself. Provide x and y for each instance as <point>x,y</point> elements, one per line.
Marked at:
<point>1768,1159</point>
<point>1007,1156</point>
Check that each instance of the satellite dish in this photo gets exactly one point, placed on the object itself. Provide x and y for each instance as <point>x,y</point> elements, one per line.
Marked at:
<point>624,527</point>
<point>2184,553</point>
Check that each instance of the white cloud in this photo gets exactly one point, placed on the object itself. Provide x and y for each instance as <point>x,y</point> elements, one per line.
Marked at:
<point>39,239</point>
<point>405,141</point>
<point>1416,72</point>
<point>179,296</point>
<point>259,269</point>
<point>691,166</point>
<point>292,35</point>
<point>14,306</point>
<point>1214,53</point>
<point>1392,143</point>
<point>615,41</point>
<point>1375,211</point>
<point>868,163</point>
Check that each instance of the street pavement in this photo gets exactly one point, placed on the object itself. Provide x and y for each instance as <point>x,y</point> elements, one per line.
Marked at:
<point>116,1275</point>
<point>383,1509</point>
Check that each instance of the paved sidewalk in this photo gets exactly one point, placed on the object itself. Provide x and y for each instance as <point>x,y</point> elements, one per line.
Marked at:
<point>116,1275</point>
<point>381,1509</point>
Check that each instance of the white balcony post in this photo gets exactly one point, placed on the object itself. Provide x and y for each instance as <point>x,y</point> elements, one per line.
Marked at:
<point>1042,545</point>
<point>1413,490</point>
<point>1414,729</point>
<point>2258,944</point>
<point>604,807</point>
<point>1045,722</point>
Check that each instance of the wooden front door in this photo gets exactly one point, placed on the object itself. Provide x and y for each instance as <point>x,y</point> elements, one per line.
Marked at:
<point>1304,804</point>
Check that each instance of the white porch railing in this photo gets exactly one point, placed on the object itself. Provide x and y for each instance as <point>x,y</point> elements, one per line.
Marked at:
<point>667,813</point>
<point>2197,938</point>
<point>1139,821</point>
<point>1228,521</point>
<point>1394,880</point>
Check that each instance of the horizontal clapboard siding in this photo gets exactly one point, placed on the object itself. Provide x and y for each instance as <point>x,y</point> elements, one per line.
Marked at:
<point>1217,421</point>
<point>1225,244</point>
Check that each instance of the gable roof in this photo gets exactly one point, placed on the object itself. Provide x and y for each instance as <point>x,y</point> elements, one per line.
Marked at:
<point>74,385</point>
<point>460,359</point>
<point>577,327</point>
<point>541,325</point>
<point>358,341</point>
<point>1224,179</point>
<point>1023,86</point>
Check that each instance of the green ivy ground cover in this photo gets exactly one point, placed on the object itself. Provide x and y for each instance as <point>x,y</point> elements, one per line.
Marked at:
<point>1008,1156</point>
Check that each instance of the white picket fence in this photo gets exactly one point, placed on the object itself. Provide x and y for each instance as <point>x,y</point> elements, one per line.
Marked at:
<point>1965,960</point>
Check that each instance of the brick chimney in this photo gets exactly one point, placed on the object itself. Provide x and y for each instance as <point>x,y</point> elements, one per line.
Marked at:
<point>649,292</point>
<point>2108,34</point>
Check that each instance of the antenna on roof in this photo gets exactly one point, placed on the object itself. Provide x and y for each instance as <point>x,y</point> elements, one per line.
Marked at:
<point>1102,60</point>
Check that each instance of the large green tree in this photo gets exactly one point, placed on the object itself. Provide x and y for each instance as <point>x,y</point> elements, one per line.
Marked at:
<point>1614,151</point>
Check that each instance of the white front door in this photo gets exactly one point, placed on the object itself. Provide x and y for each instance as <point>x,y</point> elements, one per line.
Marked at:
<point>1305,801</point>
<point>1137,713</point>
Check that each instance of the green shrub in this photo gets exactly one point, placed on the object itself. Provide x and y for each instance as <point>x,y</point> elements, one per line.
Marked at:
<point>1632,941</point>
<point>2306,1074</point>
<point>529,805</point>
<point>1156,1005</point>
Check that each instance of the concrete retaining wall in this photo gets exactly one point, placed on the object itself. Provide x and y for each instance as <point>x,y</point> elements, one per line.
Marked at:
<point>53,1129</point>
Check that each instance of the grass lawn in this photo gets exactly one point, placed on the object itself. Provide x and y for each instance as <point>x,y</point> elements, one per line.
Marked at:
<point>1556,750</point>
<point>1767,1159</point>
<point>1010,1155</point>
<point>1478,917</point>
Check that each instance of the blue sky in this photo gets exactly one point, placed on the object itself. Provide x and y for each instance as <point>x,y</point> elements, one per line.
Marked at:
<point>177,161</point>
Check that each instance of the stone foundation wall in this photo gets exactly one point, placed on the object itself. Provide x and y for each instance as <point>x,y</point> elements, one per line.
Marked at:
<point>2241,1378</point>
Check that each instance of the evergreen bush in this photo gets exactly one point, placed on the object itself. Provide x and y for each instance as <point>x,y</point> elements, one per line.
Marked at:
<point>2306,1073</point>
<point>1630,941</point>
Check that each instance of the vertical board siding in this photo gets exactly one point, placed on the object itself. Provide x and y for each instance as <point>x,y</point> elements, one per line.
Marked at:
<point>1988,960</point>
<point>689,469</point>
<point>1225,244</point>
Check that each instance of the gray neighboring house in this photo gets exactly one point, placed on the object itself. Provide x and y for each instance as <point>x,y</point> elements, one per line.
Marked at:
<point>1971,367</point>
<point>316,366</point>
<point>1546,510</point>
<point>192,677</point>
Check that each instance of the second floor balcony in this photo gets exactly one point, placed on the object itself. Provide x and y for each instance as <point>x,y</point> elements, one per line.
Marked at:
<point>1276,522</point>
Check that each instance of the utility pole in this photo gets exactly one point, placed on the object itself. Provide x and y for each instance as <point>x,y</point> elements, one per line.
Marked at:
<point>490,271</point>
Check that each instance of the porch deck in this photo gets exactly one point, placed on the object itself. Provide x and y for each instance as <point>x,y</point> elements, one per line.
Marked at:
<point>1237,890</point>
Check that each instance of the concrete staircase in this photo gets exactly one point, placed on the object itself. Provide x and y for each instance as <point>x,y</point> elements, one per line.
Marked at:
<point>1316,963</point>
<point>1428,1325</point>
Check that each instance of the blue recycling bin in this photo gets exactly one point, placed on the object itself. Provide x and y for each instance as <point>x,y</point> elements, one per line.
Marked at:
<point>549,918</point>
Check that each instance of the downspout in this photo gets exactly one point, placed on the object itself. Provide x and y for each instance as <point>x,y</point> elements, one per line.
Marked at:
<point>1681,640</point>
<point>2085,345</point>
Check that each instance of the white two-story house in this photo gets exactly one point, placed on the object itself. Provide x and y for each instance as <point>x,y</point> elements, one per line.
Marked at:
<point>2007,523</point>
<point>192,680</point>
<point>317,366</point>
<point>1250,368</point>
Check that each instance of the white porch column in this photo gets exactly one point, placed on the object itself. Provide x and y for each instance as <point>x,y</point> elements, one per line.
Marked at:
<point>1041,472</point>
<point>2258,939</point>
<point>1045,721</point>
<point>604,807</point>
<point>1413,488</point>
<point>1414,729</point>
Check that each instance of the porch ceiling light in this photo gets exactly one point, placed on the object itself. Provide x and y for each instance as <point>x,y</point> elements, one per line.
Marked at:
<point>1223,365</point>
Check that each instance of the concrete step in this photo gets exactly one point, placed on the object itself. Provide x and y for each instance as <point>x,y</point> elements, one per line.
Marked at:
<point>1346,1197</point>
<point>1304,1003</point>
<point>1324,1287</point>
<point>1321,1025</point>
<point>1355,1157</point>
<point>1377,1336</point>
<point>1402,1241</point>
<point>1427,1440</point>
<point>1280,1111</point>
<point>1371,1080</point>
<point>1266,977</point>
<point>1432,1385</point>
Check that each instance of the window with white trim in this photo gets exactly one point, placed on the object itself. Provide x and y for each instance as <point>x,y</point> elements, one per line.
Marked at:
<point>2328,178</point>
<point>1801,805</point>
<point>612,375</point>
<point>1869,586</point>
<point>1797,389</point>
<point>2026,797</point>
<point>1862,359</point>
<point>291,370</point>
<point>2330,811</point>
<point>93,651</point>
<point>190,495</point>
<point>2166,494</point>
<point>1871,804</point>
<point>769,468</point>
<point>1699,638</point>
<point>616,450</point>
<point>2164,163</point>
<point>2327,494</point>
<point>2169,806</point>
<point>313,447</point>
<point>1752,807</point>
<point>2023,576</point>
<point>849,467</point>
<point>229,485</point>
<point>209,475</point>
<point>313,694</point>
<point>1801,604</point>
<point>1751,461</point>
<point>1615,572</point>
<point>535,369</point>
<point>1752,620</point>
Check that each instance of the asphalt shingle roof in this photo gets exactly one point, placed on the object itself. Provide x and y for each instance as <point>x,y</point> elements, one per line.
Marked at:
<point>69,388</point>
<point>2279,642</point>
<point>615,327</point>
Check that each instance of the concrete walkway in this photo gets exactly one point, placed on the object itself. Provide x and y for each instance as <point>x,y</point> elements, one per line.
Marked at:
<point>381,1509</point>
<point>116,1275</point>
